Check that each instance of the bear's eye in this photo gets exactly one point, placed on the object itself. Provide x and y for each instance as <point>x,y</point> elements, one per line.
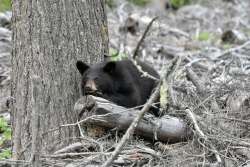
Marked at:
<point>96,79</point>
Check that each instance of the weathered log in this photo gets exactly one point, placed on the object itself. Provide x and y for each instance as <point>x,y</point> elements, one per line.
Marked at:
<point>101,112</point>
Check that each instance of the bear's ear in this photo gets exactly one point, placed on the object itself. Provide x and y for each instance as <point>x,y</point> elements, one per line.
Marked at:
<point>81,66</point>
<point>109,67</point>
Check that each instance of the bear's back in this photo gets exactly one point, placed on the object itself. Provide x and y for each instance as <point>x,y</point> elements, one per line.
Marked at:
<point>143,84</point>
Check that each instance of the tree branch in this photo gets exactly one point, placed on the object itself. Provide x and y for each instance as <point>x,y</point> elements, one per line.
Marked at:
<point>143,37</point>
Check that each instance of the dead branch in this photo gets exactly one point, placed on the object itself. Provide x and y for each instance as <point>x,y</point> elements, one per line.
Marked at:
<point>196,126</point>
<point>202,135</point>
<point>196,81</point>
<point>144,74</point>
<point>169,29</point>
<point>65,155</point>
<point>235,120</point>
<point>70,148</point>
<point>14,162</point>
<point>143,37</point>
<point>231,50</point>
<point>110,115</point>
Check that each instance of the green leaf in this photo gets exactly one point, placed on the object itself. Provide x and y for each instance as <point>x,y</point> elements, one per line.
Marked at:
<point>3,124</point>
<point>5,5</point>
<point>7,134</point>
<point>226,46</point>
<point>204,36</point>
<point>5,130</point>
<point>5,154</point>
<point>140,2</point>
<point>179,3</point>
<point>116,56</point>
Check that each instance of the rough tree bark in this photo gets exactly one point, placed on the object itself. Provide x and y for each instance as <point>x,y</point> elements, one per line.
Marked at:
<point>48,38</point>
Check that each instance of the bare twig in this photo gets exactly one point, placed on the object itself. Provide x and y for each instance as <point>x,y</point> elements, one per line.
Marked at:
<point>235,119</point>
<point>143,37</point>
<point>144,73</point>
<point>196,126</point>
<point>63,155</point>
<point>14,162</point>
<point>93,117</point>
<point>196,81</point>
<point>69,148</point>
<point>202,135</point>
<point>231,50</point>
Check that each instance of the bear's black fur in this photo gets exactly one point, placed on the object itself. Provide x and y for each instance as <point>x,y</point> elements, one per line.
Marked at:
<point>119,82</point>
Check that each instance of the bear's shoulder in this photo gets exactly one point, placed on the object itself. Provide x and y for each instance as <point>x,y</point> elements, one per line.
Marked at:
<point>131,67</point>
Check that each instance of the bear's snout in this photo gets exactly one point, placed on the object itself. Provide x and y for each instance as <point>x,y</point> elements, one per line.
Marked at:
<point>90,87</point>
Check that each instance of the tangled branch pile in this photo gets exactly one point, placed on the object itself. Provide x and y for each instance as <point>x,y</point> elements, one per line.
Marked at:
<point>210,89</point>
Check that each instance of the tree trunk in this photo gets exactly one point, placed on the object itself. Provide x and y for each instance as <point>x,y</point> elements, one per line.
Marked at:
<point>48,38</point>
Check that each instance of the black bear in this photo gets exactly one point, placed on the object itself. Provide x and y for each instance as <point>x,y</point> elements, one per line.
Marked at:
<point>120,82</point>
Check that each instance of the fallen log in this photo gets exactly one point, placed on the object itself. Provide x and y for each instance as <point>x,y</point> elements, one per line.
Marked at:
<point>103,113</point>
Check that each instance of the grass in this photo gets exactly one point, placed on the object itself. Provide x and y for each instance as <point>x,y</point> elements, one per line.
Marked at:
<point>5,5</point>
<point>227,46</point>
<point>179,3</point>
<point>5,154</point>
<point>115,56</point>
<point>139,2</point>
<point>5,131</point>
<point>204,36</point>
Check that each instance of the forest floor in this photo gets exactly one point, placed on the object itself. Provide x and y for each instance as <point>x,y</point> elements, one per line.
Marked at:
<point>213,80</point>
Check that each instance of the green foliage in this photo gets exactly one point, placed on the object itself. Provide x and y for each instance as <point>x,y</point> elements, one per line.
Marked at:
<point>226,46</point>
<point>5,130</point>
<point>179,3</point>
<point>5,154</point>
<point>110,3</point>
<point>6,135</point>
<point>116,56</point>
<point>139,2</point>
<point>5,5</point>
<point>3,124</point>
<point>204,36</point>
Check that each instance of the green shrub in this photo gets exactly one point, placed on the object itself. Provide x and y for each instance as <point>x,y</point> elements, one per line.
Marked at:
<point>5,5</point>
<point>5,154</point>
<point>116,56</point>
<point>5,130</point>
<point>227,46</point>
<point>204,36</point>
<point>110,3</point>
<point>139,2</point>
<point>179,3</point>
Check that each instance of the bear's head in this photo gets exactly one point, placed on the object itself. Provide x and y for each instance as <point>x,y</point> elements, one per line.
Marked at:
<point>97,79</point>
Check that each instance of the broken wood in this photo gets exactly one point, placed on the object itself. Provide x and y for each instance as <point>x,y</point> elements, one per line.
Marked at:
<point>104,113</point>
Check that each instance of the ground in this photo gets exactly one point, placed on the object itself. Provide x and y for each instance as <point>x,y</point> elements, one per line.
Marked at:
<point>212,37</point>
